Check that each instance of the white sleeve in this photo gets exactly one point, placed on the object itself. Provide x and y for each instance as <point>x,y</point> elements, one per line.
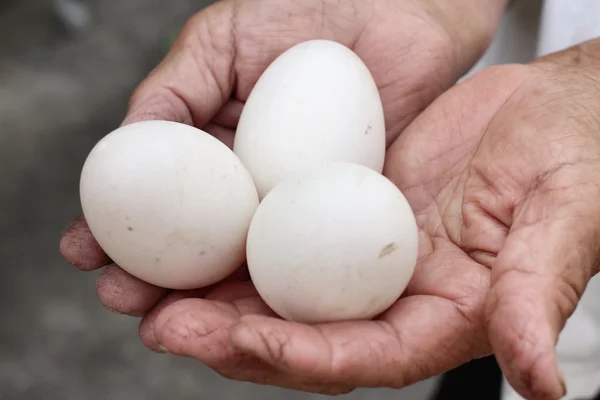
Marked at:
<point>566,23</point>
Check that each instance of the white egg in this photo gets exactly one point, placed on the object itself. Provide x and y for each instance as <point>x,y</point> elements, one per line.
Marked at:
<point>168,203</point>
<point>316,102</point>
<point>337,243</point>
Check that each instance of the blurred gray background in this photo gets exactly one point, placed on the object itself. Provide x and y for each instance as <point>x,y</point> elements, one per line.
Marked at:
<point>67,69</point>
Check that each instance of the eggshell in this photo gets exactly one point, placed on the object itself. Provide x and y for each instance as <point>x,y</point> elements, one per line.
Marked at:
<point>168,203</point>
<point>316,102</point>
<point>337,243</point>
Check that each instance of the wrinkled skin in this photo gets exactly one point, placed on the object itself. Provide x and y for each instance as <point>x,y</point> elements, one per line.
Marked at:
<point>502,171</point>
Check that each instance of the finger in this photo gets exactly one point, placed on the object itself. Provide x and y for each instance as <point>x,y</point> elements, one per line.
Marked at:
<point>79,248</point>
<point>419,337</point>
<point>224,292</point>
<point>225,135</point>
<point>187,325</point>
<point>223,125</point>
<point>229,115</point>
<point>146,327</point>
<point>230,292</point>
<point>366,353</point>
<point>123,293</point>
<point>539,276</point>
<point>198,328</point>
<point>190,86</point>
<point>195,79</point>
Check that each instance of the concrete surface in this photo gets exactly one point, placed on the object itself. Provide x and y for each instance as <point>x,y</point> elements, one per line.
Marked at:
<point>61,89</point>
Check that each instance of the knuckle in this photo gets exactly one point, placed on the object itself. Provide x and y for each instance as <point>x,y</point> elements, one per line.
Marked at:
<point>121,293</point>
<point>512,322</point>
<point>194,328</point>
<point>276,346</point>
<point>532,378</point>
<point>151,102</point>
<point>347,359</point>
<point>203,51</point>
<point>185,333</point>
<point>568,293</point>
<point>110,292</point>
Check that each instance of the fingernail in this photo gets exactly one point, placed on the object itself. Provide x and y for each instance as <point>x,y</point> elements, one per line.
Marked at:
<point>561,379</point>
<point>137,314</point>
<point>161,348</point>
<point>232,343</point>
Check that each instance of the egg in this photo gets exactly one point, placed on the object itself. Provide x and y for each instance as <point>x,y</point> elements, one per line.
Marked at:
<point>337,242</point>
<point>168,203</point>
<point>316,102</point>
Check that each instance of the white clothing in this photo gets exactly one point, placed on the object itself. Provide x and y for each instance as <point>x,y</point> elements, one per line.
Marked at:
<point>531,29</point>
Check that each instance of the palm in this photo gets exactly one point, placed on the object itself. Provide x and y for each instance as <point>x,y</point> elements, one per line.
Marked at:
<point>425,330</point>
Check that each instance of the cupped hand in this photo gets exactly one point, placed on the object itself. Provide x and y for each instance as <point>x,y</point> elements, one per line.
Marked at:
<point>415,49</point>
<point>503,173</point>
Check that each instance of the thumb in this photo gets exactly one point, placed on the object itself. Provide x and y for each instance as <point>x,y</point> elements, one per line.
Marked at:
<point>195,79</point>
<point>550,254</point>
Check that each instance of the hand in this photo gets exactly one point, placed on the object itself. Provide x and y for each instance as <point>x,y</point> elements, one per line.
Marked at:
<point>503,172</point>
<point>415,49</point>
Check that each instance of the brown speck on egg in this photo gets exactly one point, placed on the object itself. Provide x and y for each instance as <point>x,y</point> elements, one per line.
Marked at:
<point>388,249</point>
<point>130,228</point>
